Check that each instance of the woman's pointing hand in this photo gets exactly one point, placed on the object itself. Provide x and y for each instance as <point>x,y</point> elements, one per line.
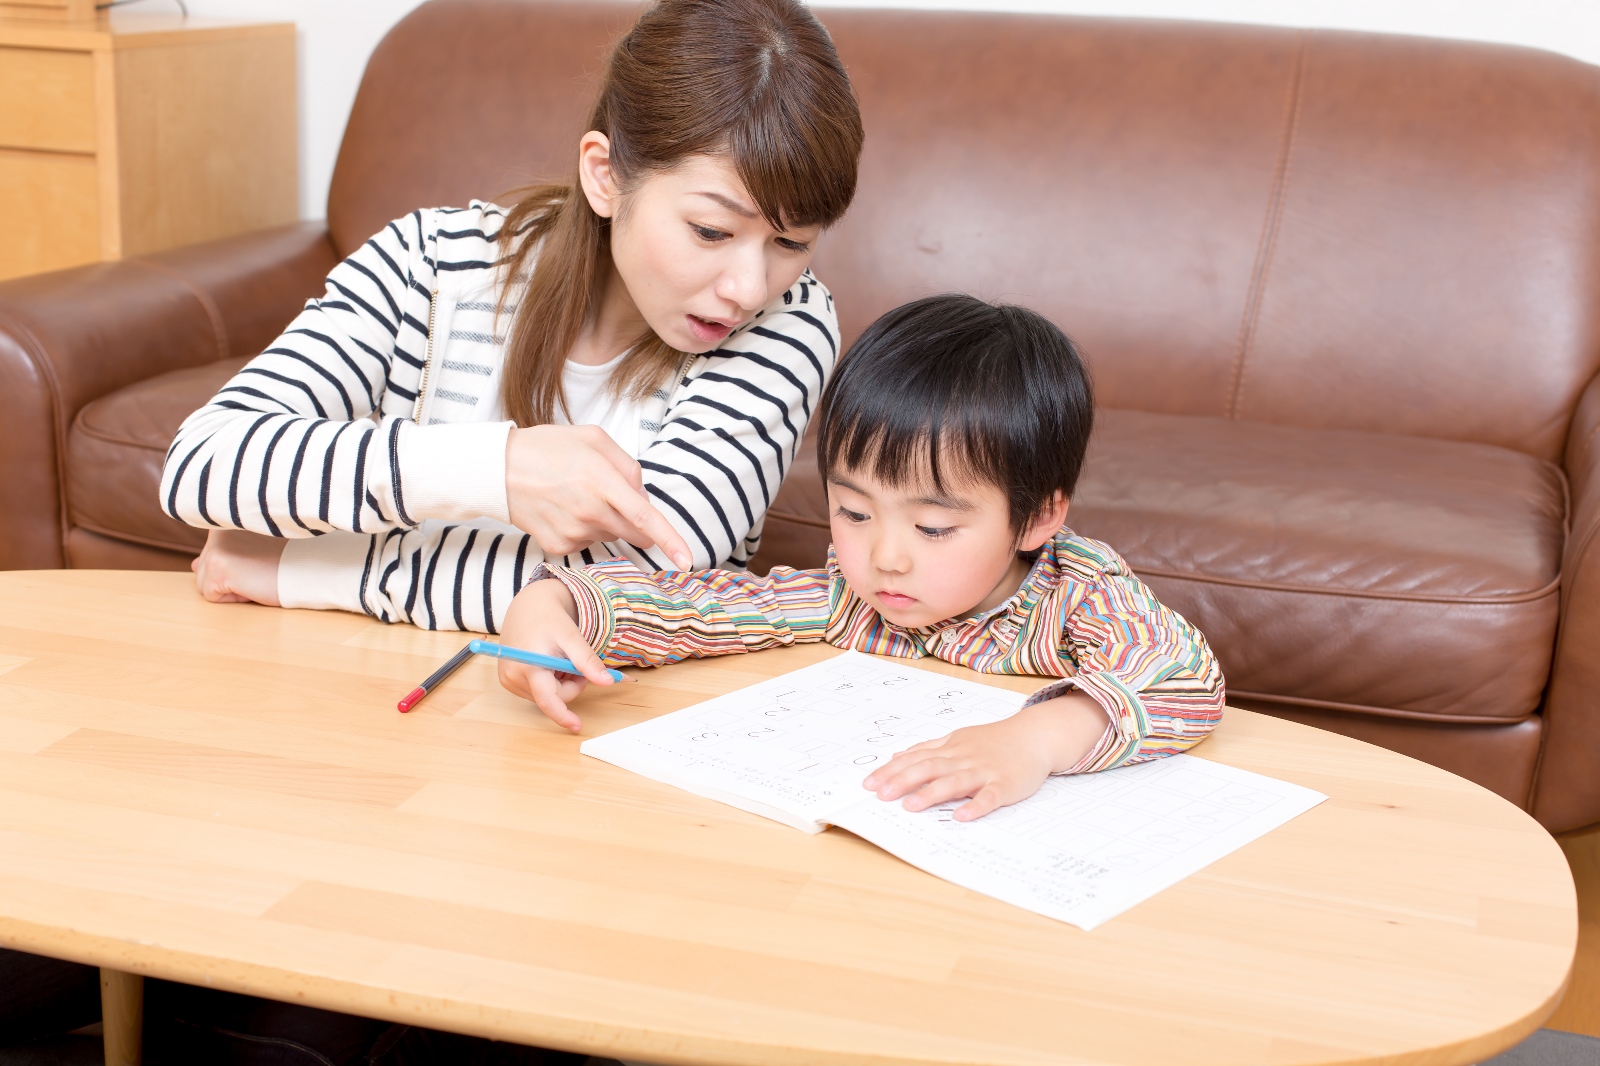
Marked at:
<point>569,486</point>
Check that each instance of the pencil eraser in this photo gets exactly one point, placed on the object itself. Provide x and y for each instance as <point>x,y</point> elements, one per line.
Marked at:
<point>413,698</point>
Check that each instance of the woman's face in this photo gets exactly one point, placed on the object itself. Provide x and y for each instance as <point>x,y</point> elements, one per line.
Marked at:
<point>691,248</point>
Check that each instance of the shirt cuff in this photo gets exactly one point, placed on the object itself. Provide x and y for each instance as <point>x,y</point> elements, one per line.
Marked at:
<point>324,573</point>
<point>595,620</point>
<point>1115,745</point>
<point>453,472</point>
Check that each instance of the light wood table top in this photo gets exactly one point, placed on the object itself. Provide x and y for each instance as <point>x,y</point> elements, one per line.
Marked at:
<point>225,795</point>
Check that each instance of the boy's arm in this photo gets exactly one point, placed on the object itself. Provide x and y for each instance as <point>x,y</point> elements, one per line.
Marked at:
<point>634,618</point>
<point>1150,670</point>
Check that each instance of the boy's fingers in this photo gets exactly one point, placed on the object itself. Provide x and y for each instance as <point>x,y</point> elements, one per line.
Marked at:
<point>951,786</point>
<point>893,768</point>
<point>986,799</point>
<point>514,679</point>
<point>544,690</point>
<point>583,657</point>
<point>548,699</point>
<point>912,777</point>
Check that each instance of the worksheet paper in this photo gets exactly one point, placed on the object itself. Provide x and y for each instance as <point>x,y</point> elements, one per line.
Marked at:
<point>1082,849</point>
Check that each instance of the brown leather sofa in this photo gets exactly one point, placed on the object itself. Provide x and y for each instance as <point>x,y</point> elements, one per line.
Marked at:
<point>1341,296</point>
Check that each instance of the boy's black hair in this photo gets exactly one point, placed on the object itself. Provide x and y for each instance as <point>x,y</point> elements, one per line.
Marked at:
<point>997,392</point>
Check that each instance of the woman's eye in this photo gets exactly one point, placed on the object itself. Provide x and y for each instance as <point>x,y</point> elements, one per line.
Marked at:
<point>793,246</point>
<point>708,234</point>
<point>850,516</point>
<point>936,532</point>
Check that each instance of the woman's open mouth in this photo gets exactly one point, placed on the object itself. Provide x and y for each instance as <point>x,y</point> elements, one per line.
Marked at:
<point>708,330</point>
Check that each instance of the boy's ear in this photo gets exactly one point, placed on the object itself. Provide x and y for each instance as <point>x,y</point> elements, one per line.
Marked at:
<point>1045,524</point>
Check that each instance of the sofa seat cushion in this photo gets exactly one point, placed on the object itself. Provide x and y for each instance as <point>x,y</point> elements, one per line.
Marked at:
<point>115,450</point>
<point>1342,570</point>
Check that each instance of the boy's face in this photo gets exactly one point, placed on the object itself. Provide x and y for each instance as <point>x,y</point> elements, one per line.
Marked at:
<point>919,555</point>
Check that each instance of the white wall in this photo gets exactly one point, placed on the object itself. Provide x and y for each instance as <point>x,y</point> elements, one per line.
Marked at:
<point>336,36</point>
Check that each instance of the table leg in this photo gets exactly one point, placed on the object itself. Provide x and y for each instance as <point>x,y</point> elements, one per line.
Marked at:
<point>122,1016</point>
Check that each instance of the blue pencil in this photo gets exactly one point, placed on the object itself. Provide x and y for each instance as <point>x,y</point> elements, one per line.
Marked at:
<point>498,651</point>
<point>533,658</point>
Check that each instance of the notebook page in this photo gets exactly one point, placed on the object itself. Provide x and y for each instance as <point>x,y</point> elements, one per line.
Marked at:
<point>796,748</point>
<point>1085,848</point>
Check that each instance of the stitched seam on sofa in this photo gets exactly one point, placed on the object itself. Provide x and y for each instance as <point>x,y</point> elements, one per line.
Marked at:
<point>1594,430</point>
<point>1589,440</point>
<point>213,312</point>
<point>1269,229</point>
<point>1573,563</point>
<point>1384,712</point>
<point>28,341</point>
<point>1302,590</point>
<point>102,435</point>
<point>131,538</point>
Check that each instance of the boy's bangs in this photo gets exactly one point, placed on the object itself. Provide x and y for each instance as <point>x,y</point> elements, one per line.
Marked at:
<point>905,452</point>
<point>949,391</point>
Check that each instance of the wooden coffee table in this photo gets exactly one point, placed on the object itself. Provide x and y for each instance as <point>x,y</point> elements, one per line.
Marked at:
<point>225,795</point>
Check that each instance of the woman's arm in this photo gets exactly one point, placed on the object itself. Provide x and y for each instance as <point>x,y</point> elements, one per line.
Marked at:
<point>314,435</point>
<point>732,430</point>
<point>314,439</point>
<point>726,441</point>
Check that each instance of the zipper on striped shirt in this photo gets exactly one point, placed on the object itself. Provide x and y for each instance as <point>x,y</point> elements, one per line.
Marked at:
<point>427,359</point>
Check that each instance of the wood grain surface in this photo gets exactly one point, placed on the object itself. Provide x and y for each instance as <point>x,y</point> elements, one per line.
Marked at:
<point>225,795</point>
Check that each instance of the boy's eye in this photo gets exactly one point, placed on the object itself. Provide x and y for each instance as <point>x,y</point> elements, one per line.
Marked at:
<point>850,516</point>
<point>936,532</point>
<point>708,234</point>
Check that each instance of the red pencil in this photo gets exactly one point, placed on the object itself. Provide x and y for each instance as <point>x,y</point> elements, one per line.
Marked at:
<point>414,697</point>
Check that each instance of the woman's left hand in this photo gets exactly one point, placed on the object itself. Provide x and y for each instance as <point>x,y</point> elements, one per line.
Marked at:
<point>996,764</point>
<point>236,566</point>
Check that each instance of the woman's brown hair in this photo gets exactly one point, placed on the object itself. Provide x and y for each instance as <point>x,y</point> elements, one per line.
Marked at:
<point>757,81</point>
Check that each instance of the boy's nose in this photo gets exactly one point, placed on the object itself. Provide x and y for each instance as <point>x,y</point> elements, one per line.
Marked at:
<point>890,556</point>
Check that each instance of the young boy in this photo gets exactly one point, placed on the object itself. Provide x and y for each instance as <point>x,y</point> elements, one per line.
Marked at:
<point>950,441</point>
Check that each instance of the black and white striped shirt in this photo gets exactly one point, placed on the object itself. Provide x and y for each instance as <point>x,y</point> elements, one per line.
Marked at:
<point>389,478</point>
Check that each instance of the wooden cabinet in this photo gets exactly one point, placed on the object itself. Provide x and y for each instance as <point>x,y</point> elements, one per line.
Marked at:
<point>141,132</point>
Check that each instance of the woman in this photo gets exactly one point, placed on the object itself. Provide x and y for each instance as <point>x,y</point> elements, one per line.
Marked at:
<point>620,364</point>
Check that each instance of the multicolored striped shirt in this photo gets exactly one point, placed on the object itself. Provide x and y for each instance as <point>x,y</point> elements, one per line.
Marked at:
<point>1080,615</point>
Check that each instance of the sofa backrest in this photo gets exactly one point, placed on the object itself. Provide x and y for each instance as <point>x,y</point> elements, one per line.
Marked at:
<point>1313,228</point>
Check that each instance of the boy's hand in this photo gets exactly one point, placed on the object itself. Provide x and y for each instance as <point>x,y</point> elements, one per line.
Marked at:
<point>543,618</point>
<point>995,764</point>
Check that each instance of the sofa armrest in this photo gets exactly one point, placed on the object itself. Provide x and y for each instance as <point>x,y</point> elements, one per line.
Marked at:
<point>1567,794</point>
<point>72,336</point>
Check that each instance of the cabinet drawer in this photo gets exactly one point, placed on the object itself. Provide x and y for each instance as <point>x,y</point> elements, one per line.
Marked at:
<point>49,99</point>
<point>52,216</point>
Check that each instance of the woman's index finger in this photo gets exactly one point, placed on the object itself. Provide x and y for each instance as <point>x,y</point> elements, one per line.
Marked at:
<point>650,526</point>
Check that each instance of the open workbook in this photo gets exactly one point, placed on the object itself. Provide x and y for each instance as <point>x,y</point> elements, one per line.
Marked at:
<point>1082,849</point>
